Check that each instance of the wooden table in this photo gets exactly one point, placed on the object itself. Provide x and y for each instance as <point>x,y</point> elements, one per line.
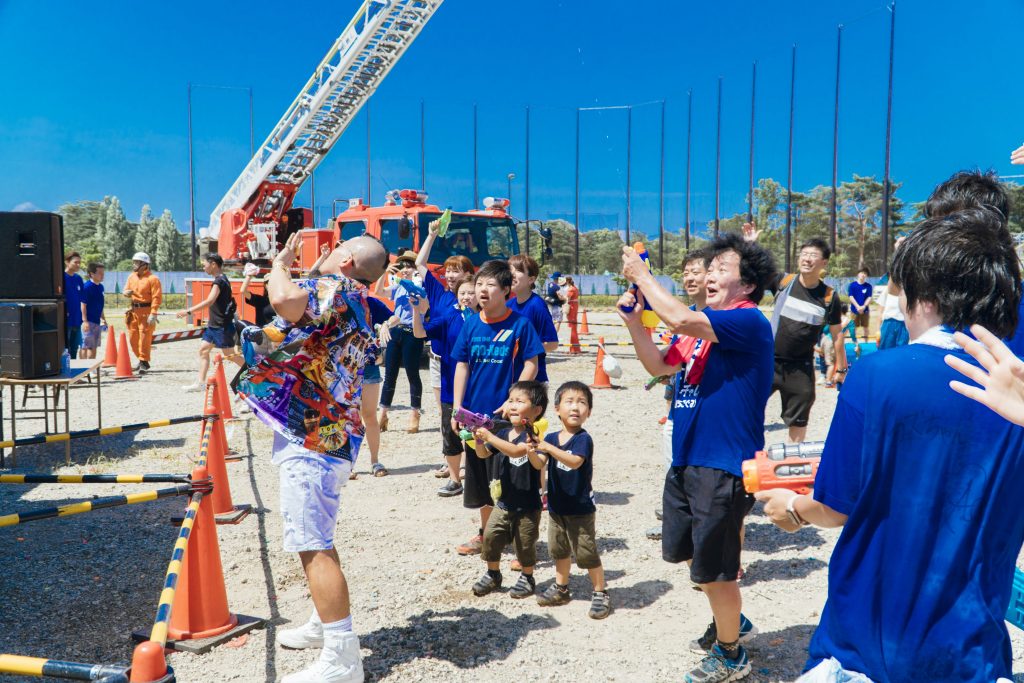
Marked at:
<point>51,387</point>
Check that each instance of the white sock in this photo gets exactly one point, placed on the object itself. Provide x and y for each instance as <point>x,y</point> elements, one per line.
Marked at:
<point>314,618</point>
<point>336,629</point>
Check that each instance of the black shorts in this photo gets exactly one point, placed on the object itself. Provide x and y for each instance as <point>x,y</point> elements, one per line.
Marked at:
<point>794,380</point>
<point>476,485</point>
<point>220,337</point>
<point>451,444</point>
<point>703,510</point>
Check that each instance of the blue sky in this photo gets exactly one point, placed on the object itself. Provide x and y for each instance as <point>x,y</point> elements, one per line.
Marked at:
<point>94,98</point>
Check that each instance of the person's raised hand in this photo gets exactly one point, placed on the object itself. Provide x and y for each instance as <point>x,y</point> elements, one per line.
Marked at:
<point>250,270</point>
<point>775,503</point>
<point>1017,156</point>
<point>750,232</point>
<point>289,251</point>
<point>419,304</point>
<point>325,249</point>
<point>633,267</point>
<point>1000,377</point>
<point>481,434</point>
<point>630,307</point>
<point>181,314</point>
<point>433,226</point>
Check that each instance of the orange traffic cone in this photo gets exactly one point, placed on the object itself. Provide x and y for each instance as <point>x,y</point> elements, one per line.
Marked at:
<point>601,379</point>
<point>200,607</point>
<point>586,327</point>
<point>148,663</point>
<point>224,509</point>
<point>110,355</point>
<point>124,363</point>
<point>223,396</point>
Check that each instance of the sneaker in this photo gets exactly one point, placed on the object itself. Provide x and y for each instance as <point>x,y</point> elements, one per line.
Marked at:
<point>472,546</point>
<point>654,533</point>
<point>339,662</point>
<point>552,597</point>
<point>305,636</point>
<point>717,668</point>
<point>142,367</point>
<point>659,514</point>
<point>450,488</point>
<point>442,472</point>
<point>192,388</point>
<point>524,587</point>
<point>600,605</point>
<point>710,637</point>
<point>486,584</point>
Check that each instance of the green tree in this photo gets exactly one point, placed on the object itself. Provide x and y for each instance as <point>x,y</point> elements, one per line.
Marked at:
<point>145,232</point>
<point>118,235</point>
<point>860,232</point>
<point>168,244</point>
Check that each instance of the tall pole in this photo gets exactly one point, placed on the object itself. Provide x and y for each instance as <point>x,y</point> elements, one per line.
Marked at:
<point>661,195</point>
<point>887,187</point>
<point>753,103</point>
<point>312,195</point>
<point>689,129</point>
<point>833,219</point>
<point>629,169</point>
<point>423,146</point>
<point>369,197</point>
<point>576,261</point>
<point>476,191</point>
<point>789,172</point>
<point>191,184</point>
<point>718,158</point>
<point>527,180</point>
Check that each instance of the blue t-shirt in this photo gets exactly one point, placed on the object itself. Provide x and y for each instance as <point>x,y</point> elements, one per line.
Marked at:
<point>720,422</point>
<point>443,330</point>
<point>92,295</point>
<point>536,311</point>
<point>379,311</point>
<point>495,352</point>
<point>1016,342</point>
<point>72,300</point>
<point>920,577</point>
<point>861,293</point>
<point>403,307</point>
<point>570,491</point>
<point>439,298</point>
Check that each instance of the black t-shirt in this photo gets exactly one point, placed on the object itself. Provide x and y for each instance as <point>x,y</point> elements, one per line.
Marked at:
<point>219,315</point>
<point>803,316</point>
<point>264,311</point>
<point>520,480</point>
<point>570,491</point>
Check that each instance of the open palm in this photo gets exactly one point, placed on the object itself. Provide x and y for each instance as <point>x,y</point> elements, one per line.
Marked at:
<point>1000,378</point>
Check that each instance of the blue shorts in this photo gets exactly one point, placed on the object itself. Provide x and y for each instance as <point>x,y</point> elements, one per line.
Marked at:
<point>220,337</point>
<point>371,374</point>
<point>893,333</point>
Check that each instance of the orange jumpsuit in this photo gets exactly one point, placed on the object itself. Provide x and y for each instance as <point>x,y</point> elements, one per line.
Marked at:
<point>146,295</point>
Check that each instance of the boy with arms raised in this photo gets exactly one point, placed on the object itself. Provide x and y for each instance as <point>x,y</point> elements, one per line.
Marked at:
<point>515,479</point>
<point>569,454</point>
<point>494,350</point>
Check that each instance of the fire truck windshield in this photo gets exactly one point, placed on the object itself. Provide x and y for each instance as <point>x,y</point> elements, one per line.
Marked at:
<point>481,238</point>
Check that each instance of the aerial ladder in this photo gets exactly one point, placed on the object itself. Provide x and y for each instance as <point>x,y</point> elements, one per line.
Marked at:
<point>255,216</point>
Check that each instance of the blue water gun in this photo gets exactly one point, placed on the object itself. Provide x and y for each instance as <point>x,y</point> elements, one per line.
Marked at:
<point>413,288</point>
<point>648,317</point>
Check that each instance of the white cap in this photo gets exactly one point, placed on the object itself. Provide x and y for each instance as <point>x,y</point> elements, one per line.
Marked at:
<point>141,256</point>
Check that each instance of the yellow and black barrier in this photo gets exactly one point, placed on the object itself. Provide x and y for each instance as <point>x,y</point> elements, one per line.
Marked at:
<point>36,666</point>
<point>94,478</point>
<point>163,609</point>
<point>16,518</point>
<point>102,431</point>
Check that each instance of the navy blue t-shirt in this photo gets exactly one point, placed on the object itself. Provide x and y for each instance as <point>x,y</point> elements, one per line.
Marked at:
<point>720,422</point>
<point>920,578</point>
<point>1016,342</point>
<point>861,293</point>
<point>440,299</point>
<point>520,480</point>
<point>92,295</point>
<point>495,352</point>
<point>443,330</point>
<point>570,491</point>
<point>536,311</point>
<point>72,300</point>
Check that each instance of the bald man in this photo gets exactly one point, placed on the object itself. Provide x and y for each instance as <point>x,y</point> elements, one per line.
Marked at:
<point>309,391</point>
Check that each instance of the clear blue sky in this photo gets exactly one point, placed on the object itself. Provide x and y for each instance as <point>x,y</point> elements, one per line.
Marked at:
<point>94,98</point>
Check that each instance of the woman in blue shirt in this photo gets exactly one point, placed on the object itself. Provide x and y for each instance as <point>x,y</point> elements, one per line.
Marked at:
<point>404,348</point>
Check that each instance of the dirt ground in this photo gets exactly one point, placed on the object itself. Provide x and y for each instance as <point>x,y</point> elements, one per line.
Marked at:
<point>75,588</point>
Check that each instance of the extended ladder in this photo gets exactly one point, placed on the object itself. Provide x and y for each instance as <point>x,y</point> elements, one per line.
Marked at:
<point>372,43</point>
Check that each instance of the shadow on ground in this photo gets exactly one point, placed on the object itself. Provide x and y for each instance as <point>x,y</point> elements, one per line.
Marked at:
<point>612,497</point>
<point>774,570</point>
<point>764,537</point>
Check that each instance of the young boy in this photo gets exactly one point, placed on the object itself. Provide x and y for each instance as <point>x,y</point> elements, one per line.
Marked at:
<point>92,310</point>
<point>515,479</point>
<point>494,350</point>
<point>527,303</point>
<point>569,455</point>
<point>219,332</point>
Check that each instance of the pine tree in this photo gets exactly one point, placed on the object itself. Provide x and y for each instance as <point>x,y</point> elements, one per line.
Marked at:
<point>145,232</point>
<point>100,230</point>
<point>168,243</point>
<point>118,235</point>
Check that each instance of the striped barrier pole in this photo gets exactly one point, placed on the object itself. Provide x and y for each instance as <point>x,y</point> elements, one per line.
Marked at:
<point>37,666</point>
<point>94,479</point>
<point>165,337</point>
<point>163,609</point>
<point>103,431</point>
<point>16,518</point>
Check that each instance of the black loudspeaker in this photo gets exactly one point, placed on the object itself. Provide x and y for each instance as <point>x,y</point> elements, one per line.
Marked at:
<point>31,338</point>
<point>31,255</point>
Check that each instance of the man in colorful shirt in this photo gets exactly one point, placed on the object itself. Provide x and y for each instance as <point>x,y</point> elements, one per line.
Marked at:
<point>308,390</point>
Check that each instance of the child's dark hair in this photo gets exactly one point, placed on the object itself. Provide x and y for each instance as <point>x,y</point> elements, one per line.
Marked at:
<point>499,270</point>
<point>819,244</point>
<point>864,269</point>
<point>93,267</point>
<point>533,389</point>
<point>966,190</point>
<point>524,263</point>
<point>575,386</point>
<point>757,266</point>
<point>844,308</point>
<point>215,259</point>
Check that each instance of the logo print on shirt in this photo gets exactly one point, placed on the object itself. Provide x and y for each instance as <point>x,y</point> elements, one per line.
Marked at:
<point>502,336</point>
<point>518,462</point>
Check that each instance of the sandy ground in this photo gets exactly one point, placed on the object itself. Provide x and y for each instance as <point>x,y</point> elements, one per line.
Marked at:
<point>75,588</point>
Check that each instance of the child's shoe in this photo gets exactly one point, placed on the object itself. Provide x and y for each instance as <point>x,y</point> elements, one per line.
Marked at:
<point>717,668</point>
<point>524,587</point>
<point>600,605</point>
<point>339,662</point>
<point>488,583</point>
<point>554,595</point>
<point>710,637</point>
<point>472,546</point>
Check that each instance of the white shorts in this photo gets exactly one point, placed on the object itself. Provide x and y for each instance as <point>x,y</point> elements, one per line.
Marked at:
<point>556,313</point>
<point>435,371</point>
<point>310,489</point>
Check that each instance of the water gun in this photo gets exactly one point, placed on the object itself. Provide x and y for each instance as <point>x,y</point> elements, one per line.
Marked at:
<point>413,289</point>
<point>443,222</point>
<point>648,317</point>
<point>475,420</point>
<point>783,466</point>
<point>655,381</point>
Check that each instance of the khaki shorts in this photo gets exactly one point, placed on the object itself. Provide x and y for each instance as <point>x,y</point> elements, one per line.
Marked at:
<point>521,529</point>
<point>575,535</point>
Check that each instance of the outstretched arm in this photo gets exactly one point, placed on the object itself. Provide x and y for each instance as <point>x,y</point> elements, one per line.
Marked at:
<point>1000,377</point>
<point>423,258</point>
<point>676,315</point>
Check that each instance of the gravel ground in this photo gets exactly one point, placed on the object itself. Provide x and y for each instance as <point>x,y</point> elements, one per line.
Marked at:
<point>75,588</point>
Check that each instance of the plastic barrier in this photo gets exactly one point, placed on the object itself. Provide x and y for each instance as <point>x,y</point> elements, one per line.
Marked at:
<point>103,431</point>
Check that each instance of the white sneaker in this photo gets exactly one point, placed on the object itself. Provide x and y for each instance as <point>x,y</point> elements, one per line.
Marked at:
<point>339,662</point>
<point>192,388</point>
<point>305,636</point>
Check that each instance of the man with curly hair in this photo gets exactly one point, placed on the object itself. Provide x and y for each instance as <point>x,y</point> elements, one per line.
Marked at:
<point>726,358</point>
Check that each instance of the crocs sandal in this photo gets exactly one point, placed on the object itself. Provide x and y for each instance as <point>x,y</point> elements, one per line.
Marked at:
<point>379,470</point>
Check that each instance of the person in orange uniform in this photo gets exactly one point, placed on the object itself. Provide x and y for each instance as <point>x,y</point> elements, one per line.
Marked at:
<point>146,294</point>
